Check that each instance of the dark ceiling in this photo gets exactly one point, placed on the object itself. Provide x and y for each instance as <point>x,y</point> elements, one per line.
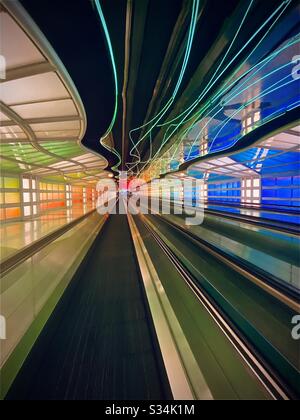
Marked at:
<point>157,42</point>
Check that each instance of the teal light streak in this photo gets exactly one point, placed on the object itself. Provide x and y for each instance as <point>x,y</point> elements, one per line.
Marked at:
<point>194,105</point>
<point>260,66</point>
<point>224,58</point>
<point>168,105</point>
<point>162,113</point>
<point>235,95</point>
<point>211,83</point>
<point>188,51</point>
<point>111,53</point>
<point>267,91</point>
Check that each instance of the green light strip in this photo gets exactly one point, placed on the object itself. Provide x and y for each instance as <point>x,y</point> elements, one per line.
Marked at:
<point>111,53</point>
<point>209,85</point>
<point>267,91</point>
<point>231,44</point>
<point>163,112</point>
<point>193,106</point>
<point>230,98</point>
<point>189,48</point>
<point>200,113</point>
<point>158,117</point>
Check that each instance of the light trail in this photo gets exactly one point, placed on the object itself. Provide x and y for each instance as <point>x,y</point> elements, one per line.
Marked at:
<point>226,87</point>
<point>111,53</point>
<point>154,121</point>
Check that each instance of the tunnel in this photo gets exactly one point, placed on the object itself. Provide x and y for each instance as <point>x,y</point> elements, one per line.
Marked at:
<point>149,202</point>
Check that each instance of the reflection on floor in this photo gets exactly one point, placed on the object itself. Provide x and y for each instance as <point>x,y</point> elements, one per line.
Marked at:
<point>16,235</point>
<point>271,215</point>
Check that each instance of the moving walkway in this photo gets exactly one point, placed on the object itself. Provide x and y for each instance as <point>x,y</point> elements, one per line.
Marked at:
<point>99,342</point>
<point>252,303</point>
<point>282,219</point>
<point>106,339</point>
<point>285,219</point>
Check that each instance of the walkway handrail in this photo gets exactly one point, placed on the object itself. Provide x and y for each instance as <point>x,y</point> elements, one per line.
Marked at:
<point>13,261</point>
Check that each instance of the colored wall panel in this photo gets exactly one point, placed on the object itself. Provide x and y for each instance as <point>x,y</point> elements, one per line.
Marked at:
<point>13,213</point>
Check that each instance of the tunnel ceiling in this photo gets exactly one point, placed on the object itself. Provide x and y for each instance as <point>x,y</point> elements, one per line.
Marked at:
<point>42,117</point>
<point>149,39</point>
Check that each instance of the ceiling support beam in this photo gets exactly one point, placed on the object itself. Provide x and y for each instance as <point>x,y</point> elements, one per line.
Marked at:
<point>32,137</point>
<point>27,71</point>
<point>43,120</point>
<point>41,101</point>
<point>41,140</point>
<point>126,78</point>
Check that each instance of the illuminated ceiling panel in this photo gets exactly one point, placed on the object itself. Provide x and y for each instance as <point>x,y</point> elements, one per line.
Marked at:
<point>279,155</point>
<point>13,129</point>
<point>283,141</point>
<point>249,102</point>
<point>17,49</point>
<point>60,108</point>
<point>3,117</point>
<point>40,87</point>
<point>42,117</point>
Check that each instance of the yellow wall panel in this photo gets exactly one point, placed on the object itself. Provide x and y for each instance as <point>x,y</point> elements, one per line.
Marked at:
<point>12,198</point>
<point>11,183</point>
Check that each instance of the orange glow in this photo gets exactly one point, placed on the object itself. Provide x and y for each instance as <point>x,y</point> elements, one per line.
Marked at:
<point>2,214</point>
<point>52,205</point>
<point>77,195</point>
<point>13,213</point>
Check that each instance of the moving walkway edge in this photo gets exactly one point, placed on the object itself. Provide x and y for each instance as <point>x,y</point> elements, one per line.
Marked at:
<point>185,378</point>
<point>269,224</point>
<point>261,222</point>
<point>28,251</point>
<point>279,209</point>
<point>238,337</point>
<point>15,361</point>
<point>290,298</point>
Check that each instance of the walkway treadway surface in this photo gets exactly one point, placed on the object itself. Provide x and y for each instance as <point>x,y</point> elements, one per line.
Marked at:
<point>98,343</point>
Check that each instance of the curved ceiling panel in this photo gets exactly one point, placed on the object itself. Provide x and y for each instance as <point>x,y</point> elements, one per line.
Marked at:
<point>42,117</point>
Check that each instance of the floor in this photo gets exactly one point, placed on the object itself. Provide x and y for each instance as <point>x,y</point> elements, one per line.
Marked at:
<point>100,346</point>
<point>16,235</point>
